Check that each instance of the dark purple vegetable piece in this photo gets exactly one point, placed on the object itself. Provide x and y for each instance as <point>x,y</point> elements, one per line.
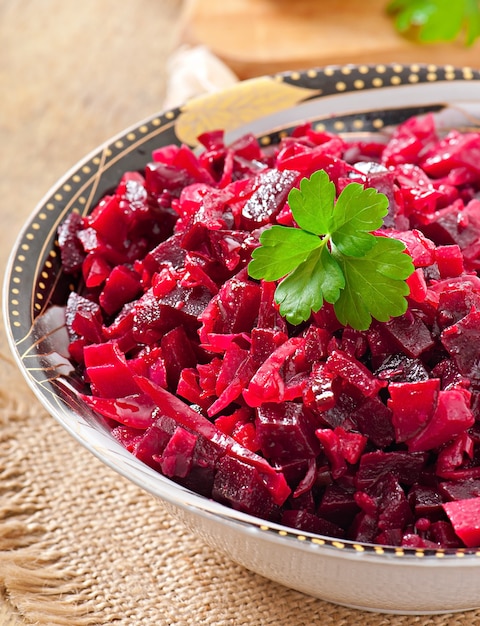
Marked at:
<point>357,374</point>
<point>311,523</point>
<point>405,466</point>
<point>462,341</point>
<point>181,355</point>
<point>242,486</point>
<point>83,317</point>
<point>409,334</point>
<point>71,250</point>
<point>284,432</point>
<point>374,420</point>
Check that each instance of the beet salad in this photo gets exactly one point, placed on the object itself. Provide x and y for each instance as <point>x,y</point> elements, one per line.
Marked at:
<point>358,417</point>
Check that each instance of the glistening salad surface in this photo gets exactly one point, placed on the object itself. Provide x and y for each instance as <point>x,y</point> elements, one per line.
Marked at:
<point>368,434</point>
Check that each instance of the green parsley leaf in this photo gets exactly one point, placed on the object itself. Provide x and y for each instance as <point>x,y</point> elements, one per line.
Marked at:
<point>358,211</point>
<point>333,256</point>
<point>431,21</point>
<point>283,249</point>
<point>312,205</point>
<point>375,284</point>
<point>304,290</point>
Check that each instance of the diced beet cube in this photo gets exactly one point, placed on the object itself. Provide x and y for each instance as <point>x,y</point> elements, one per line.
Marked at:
<point>411,540</point>
<point>338,505</point>
<point>461,490</point>
<point>449,261</point>
<point>151,445</point>
<point>177,457</point>
<point>462,341</point>
<point>455,454</point>
<point>421,249</point>
<point>456,302</point>
<point>351,444</point>
<point>234,389</point>
<point>130,438</point>
<point>189,388</point>
<point>233,310</point>
<point>284,432</point>
<point>455,150</point>
<point>410,333</point>
<point>178,347</point>
<point>425,501</point>
<point>394,510</point>
<point>400,368</point>
<point>442,532</point>
<point>160,177</point>
<point>242,487</point>
<point>465,518</point>
<point>83,317</point>
<point>122,286</point>
<point>272,189</point>
<point>233,358</point>
<point>153,317</point>
<point>451,417</point>
<point>404,465</point>
<point>311,523</point>
<point>71,250</point>
<point>331,445</point>
<point>319,393</point>
<point>374,420</point>
<point>109,222</point>
<point>412,406</point>
<point>95,270</point>
<point>364,528</point>
<point>418,286</point>
<point>264,342</point>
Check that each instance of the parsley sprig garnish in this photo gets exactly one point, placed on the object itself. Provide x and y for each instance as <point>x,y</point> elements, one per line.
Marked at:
<point>432,21</point>
<point>333,256</point>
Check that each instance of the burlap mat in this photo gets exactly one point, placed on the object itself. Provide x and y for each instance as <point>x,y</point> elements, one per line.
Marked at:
<point>80,545</point>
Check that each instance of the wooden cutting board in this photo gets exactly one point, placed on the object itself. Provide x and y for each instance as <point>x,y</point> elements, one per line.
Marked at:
<point>255,37</point>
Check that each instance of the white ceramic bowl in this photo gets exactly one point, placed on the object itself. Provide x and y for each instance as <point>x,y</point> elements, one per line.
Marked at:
<point>349,100</point>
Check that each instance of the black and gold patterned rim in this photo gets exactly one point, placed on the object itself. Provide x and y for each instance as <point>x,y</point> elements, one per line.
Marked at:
<point>34,279</point>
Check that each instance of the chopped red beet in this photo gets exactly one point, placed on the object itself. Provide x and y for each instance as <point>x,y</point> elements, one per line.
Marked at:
<point>369,436</point>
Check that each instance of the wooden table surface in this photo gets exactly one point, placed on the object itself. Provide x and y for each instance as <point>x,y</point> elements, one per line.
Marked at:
<point>264,36</point>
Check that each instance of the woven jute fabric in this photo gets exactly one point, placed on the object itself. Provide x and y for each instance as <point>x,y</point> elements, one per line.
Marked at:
<point>80,545</point>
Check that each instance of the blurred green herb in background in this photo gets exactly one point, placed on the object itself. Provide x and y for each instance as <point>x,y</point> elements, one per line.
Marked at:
<point>430,21</point>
